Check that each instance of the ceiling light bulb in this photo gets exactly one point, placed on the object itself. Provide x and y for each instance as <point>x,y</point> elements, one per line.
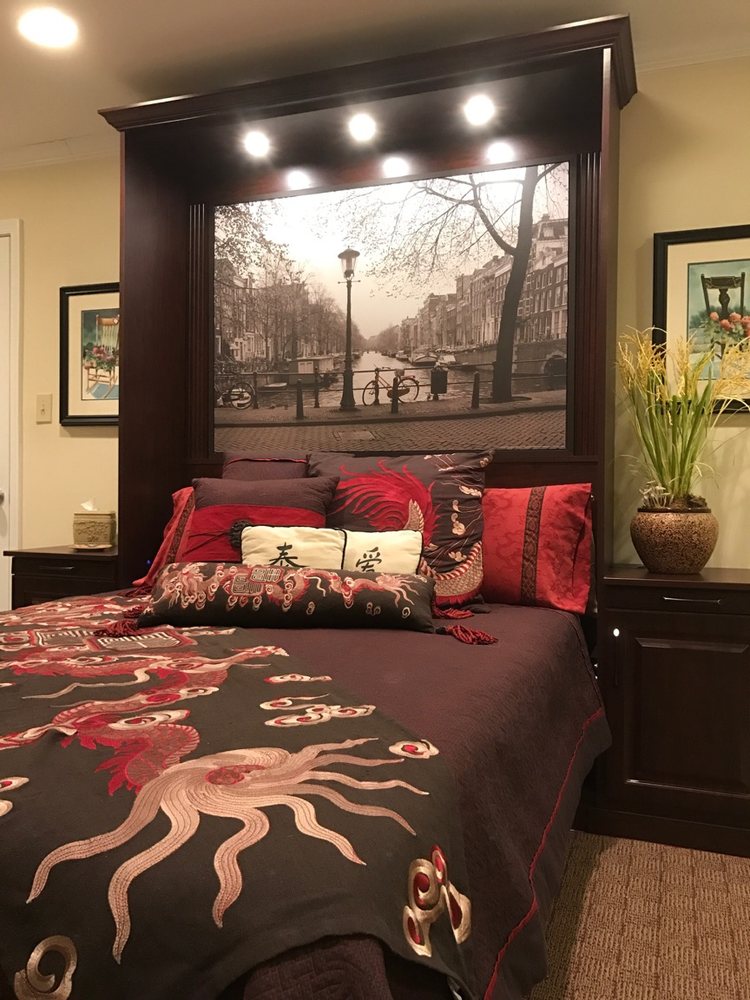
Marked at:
<point>500,152</point>
<point>298,180</point>
<point>49,27</point>
<point>479,109</point>
<point>257,143</point>
<point>395,166</point>
<point>362,127</point>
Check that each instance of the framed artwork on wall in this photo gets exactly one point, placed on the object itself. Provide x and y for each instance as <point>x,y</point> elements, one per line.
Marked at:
<point>89,354</point>
<point>702,289</point>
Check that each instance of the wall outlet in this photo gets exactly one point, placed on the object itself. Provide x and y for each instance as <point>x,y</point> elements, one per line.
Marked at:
<point>44,408</point>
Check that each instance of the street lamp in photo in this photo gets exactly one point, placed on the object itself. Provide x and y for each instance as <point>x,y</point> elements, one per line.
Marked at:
<point>348,260</point>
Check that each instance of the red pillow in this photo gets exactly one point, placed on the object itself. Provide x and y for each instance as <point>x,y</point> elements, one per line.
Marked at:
<point>537,546</point>
<point>251,467</point>
<point>183,504</point>
<point>219,503</point>
<point>438,495</point>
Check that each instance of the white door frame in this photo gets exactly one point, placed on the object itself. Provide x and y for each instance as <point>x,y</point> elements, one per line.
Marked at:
<point>12,383</point>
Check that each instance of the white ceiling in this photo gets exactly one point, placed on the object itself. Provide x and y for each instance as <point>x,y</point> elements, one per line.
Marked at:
<point>136,50</point>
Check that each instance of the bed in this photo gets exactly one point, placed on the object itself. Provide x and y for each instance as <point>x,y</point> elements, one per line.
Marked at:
<point>517,725</point>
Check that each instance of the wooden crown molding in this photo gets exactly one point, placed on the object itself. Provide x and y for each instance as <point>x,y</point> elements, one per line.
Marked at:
<point>398,75</point>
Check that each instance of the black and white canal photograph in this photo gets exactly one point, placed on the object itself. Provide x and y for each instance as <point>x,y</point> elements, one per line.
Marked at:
<point>411,315</point>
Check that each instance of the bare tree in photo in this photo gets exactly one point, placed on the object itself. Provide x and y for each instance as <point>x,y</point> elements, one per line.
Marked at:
<point>439,221</point>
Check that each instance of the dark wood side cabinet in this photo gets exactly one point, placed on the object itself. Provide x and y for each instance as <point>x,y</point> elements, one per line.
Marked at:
<point>61,571</point>
<point>675,674</point>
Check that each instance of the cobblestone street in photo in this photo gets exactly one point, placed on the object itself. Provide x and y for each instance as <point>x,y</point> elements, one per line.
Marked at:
<point>540,428</point>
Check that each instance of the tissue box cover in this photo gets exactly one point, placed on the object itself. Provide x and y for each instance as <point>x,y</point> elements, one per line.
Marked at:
<point>94,529</point>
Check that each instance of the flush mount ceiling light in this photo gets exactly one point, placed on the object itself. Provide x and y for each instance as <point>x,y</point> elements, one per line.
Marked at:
<point>500,152</point>
<point>257,143</point>
<point>479,109</point>
<point>48,27</point>
<point>298,180</point>
<point>362,127</point>
<point>396,166</point>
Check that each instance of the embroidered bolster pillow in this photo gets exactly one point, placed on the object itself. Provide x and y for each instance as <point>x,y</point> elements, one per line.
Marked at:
<point>267,596</point>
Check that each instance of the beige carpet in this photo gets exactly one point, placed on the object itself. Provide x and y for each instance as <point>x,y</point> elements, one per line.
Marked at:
<point>638,921</point>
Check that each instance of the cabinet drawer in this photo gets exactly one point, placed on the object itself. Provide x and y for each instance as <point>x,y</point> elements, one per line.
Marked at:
<point>696,600</point>
<point>38,589</point>
<point>65,569</point>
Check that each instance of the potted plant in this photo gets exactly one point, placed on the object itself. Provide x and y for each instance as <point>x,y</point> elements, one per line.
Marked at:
<point>676,396</point>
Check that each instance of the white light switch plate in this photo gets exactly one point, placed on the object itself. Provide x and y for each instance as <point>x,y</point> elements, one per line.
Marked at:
<point>44,408</point>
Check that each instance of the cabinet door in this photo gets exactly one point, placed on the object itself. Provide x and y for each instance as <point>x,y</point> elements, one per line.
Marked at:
<point>678,693</point>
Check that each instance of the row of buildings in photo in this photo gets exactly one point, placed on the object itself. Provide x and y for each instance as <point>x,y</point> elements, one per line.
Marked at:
<point>262,325</point>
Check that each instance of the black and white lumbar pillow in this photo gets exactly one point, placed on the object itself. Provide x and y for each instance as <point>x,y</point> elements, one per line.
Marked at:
<point>292,548</point>
<point>383,551</point>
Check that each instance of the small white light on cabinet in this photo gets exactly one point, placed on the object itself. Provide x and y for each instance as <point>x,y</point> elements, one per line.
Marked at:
<point>257,143</point>
<point>479,109</point>
<point>616,632</point>
<point>298,180</point>
<point>362,127</point>
<point>395,166</point>
<point>500,152</point>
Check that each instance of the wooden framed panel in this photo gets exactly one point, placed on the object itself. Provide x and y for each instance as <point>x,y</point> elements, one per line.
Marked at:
<point>562,92</point>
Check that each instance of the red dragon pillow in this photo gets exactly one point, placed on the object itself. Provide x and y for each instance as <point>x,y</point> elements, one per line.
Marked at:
<point>439,495</point>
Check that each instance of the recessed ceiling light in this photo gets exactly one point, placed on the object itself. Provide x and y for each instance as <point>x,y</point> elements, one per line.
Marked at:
<point>257,143</point>
<point>395,166</point>
<point>298,180</point>
<point>362,127</point>
<point>479,109</point>
<point>500,152</point>
<point>49,27</point>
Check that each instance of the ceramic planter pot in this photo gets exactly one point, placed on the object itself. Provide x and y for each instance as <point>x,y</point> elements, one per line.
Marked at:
<point>674,541</point>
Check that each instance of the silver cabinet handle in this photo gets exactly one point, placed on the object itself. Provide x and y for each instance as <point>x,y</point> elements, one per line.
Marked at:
<point>693,600</point>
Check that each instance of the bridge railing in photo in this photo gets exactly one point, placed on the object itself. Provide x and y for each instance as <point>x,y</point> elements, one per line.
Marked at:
<point>396,387</point>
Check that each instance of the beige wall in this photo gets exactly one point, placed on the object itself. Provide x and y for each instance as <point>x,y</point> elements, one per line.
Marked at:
<point>684,164</point>
<point>69,214</point>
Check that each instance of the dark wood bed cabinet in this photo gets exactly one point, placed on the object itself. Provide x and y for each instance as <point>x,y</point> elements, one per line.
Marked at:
<point>50,573</point>
<point>675,673</point>
<point>562,92</point>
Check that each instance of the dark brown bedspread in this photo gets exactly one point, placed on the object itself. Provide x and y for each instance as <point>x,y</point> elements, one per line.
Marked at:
<point>520,724</point>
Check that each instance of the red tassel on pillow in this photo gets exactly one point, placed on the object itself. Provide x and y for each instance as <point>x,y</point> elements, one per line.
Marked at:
<point>439,612</point>
<point>471,636</point>
<point>126,625</point>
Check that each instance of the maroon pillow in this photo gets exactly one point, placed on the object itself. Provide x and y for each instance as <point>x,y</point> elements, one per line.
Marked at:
<point>221,502</point>
<point>251,467</point>
<point>439,495</point>
<point>537,546</point>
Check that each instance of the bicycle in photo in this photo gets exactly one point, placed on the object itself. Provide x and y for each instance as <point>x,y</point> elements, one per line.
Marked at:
<point>407,388</point>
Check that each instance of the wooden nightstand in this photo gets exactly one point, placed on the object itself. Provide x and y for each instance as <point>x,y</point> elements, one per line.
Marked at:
<point>61,571</point>
<point>675,674</point>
